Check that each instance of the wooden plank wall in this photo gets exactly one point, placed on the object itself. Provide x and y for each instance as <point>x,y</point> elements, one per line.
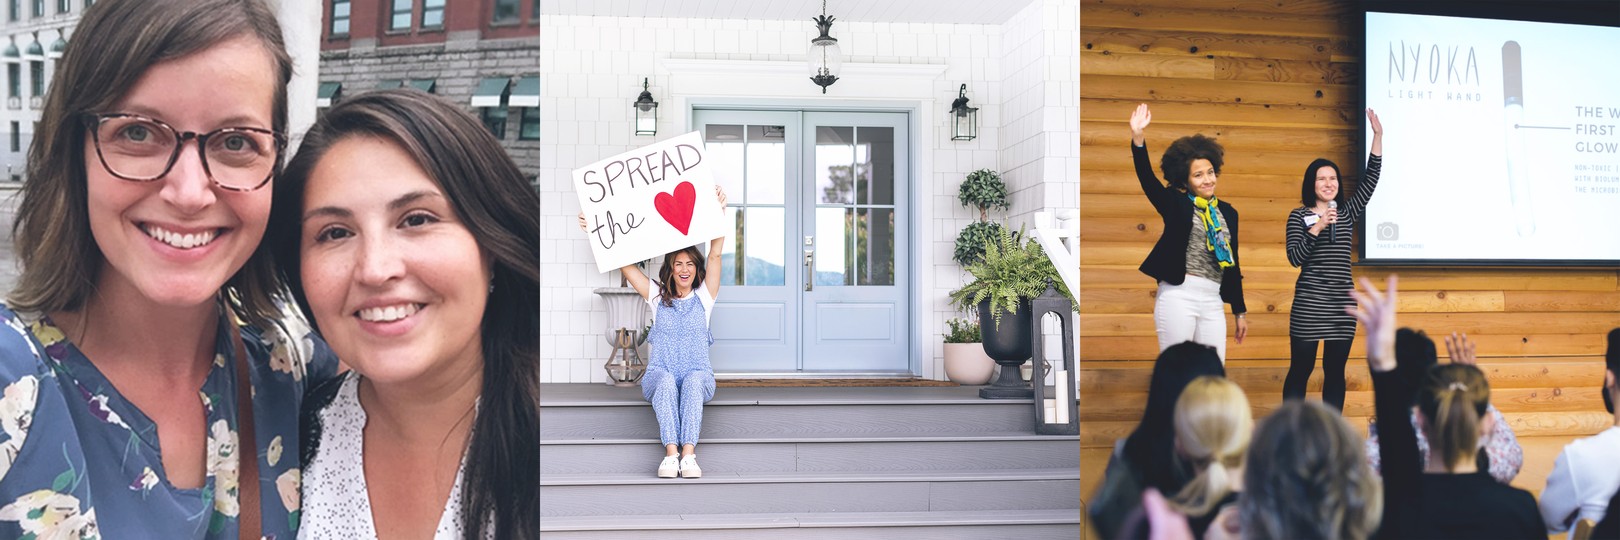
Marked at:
<point>1277,82</point>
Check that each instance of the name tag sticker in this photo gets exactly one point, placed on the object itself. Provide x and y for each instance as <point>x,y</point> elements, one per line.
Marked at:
<point>1311,219</point>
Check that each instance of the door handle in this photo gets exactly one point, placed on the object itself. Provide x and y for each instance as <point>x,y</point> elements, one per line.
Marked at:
<point>809,269</point>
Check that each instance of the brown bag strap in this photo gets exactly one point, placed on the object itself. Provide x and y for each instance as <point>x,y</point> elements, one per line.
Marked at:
<point>248,514</point>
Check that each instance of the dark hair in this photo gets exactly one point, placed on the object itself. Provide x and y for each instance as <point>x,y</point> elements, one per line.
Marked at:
<point>116,42</point>
<point>1415,353</point>
<point>1307,478</point>
<point>1307,190</point>
<point>666,274</point>
<point>1611,361</point>
<point>1151,446</point>
<point>1177,160</point>
<point>1452,399</point>
<point>498,206</point>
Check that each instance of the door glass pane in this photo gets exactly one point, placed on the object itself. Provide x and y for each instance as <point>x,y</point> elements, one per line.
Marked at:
<point>874,159</point>
<point>728,273</point>
<point>874,247</point>
<point>767,152</point>
<point>762,246</point>
<point>832,246</point>
<point>835,161</point>
<point>724,144</point>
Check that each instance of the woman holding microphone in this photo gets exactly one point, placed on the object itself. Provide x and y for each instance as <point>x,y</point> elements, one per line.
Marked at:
<point>1195,259</point>
<point>1318,241</point>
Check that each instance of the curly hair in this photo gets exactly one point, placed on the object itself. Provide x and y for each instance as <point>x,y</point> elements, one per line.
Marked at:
<point>1307,478</point>
<point>1307,190</point>
<point>1176,163</point>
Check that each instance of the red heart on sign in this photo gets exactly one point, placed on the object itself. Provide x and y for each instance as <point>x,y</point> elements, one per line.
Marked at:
<point>677,209</point>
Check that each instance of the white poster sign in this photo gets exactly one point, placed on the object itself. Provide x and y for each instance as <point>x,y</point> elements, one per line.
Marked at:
<point>649,201</point>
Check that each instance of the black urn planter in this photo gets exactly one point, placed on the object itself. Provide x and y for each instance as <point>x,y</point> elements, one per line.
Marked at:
<point>1009,344</point>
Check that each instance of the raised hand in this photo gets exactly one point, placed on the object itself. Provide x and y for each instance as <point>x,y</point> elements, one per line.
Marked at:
<point>1460,349</point>
<point>1376,312</point>
<point>1140,118</point>
<point>720,195</point>
<point>581,221</point>
<point>1377,146</point>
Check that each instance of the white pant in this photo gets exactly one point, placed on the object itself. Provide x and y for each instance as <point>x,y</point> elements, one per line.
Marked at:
<point>1191,311</point>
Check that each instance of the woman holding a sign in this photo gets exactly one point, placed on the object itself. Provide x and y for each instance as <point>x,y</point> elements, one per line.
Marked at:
<point>416,242</point>
<point>1196,258</point>
<point>679,379</point>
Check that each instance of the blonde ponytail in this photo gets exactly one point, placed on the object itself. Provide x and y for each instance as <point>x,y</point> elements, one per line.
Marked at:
<point>1213,423</point>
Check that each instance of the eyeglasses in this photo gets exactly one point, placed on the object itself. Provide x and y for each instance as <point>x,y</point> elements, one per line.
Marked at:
<point>142,149</point>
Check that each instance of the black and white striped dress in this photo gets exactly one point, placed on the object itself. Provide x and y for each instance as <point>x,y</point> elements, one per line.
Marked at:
<point>1323,290</point>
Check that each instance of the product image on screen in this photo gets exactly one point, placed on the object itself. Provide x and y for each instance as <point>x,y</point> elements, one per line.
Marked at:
<point>1502,142</point>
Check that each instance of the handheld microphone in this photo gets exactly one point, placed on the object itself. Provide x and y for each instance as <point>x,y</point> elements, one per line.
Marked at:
<point>1332,205</point>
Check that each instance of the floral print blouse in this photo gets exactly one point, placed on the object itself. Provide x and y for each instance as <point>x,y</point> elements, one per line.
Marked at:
<point>77,458</point>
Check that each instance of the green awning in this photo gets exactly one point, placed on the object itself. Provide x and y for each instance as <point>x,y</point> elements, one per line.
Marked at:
<point>526,93</point>
<point>491,92</point>
<point>329,92</point>
<point>35,50</point>
<point>389,84</point>
<point>425,85</point>
<point>12,52</point>
<point>57,48</point>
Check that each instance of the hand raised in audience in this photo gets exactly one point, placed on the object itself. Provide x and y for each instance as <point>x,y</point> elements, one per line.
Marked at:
<point>1460,349</point>
<point>1164,522</point>
<point>1376,312</point>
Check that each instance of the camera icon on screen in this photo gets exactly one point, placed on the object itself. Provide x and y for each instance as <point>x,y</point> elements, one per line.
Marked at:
<point>1389,231</point>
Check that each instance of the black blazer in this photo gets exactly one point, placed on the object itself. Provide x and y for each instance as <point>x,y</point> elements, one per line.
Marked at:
<point>1168,260</point>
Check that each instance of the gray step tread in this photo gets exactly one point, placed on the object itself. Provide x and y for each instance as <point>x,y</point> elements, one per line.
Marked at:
<point>596,395</point>
<point>812,477</point>
<point>808,520</point>
<point>833,438</point>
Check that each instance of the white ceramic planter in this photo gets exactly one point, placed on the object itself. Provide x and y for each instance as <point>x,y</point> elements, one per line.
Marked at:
<point>967,364</point>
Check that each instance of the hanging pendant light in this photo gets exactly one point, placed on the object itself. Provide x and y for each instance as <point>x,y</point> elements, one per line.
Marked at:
<point>825,57</point>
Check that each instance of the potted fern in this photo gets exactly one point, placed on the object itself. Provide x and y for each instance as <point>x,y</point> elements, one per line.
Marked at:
<point>984,190</point>
<point>965,360</point>
<point>1012,271</point>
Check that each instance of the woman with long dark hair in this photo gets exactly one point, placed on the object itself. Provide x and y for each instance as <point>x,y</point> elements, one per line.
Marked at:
<point>148,374</point>
<point>1195,259</point>
<point>415,241</point>
<point>1318,240</point>
<point>679,379</point>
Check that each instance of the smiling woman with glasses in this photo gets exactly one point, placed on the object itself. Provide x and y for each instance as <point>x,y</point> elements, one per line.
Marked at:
<point>149,381</point>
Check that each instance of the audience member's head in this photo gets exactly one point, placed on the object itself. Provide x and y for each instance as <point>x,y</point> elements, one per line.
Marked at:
<point>1451,402</point>
<point>1611,370</point>
<point>1415,353</point>
<point>1151,447</point>
<point>1213,425</point>
<point>1307,478</point>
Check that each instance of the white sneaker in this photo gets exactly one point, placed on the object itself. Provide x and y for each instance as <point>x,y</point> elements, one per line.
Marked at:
<point>689,467</point>
<point>667,467</point>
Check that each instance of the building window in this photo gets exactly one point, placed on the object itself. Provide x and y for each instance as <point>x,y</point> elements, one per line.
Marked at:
<point>36,69</point>
<point>505,11</point>
<point>88,3</point>
<point>62,6</point>
<point>340,17</point>
<point>16,9</point>
<point>534,16</point>
<point>14,71</point>
<point>39,8</point>
<point>529,124</point>
<point>433,14</point>
<point>16,136</point>
<point>495,119</point>
<point>401,19</point>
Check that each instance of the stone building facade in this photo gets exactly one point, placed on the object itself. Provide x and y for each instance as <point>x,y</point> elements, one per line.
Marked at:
<point>484,54</point>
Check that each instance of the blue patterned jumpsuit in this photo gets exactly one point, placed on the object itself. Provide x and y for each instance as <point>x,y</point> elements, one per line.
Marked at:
<point>679,379</point>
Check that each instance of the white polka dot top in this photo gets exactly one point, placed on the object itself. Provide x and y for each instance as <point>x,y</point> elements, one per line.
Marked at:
<point>336,504</point>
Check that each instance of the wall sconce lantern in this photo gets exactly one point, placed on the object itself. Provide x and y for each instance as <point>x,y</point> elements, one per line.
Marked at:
<point>646,112</point>
<point>964,118</point>
<point>825,57</point>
